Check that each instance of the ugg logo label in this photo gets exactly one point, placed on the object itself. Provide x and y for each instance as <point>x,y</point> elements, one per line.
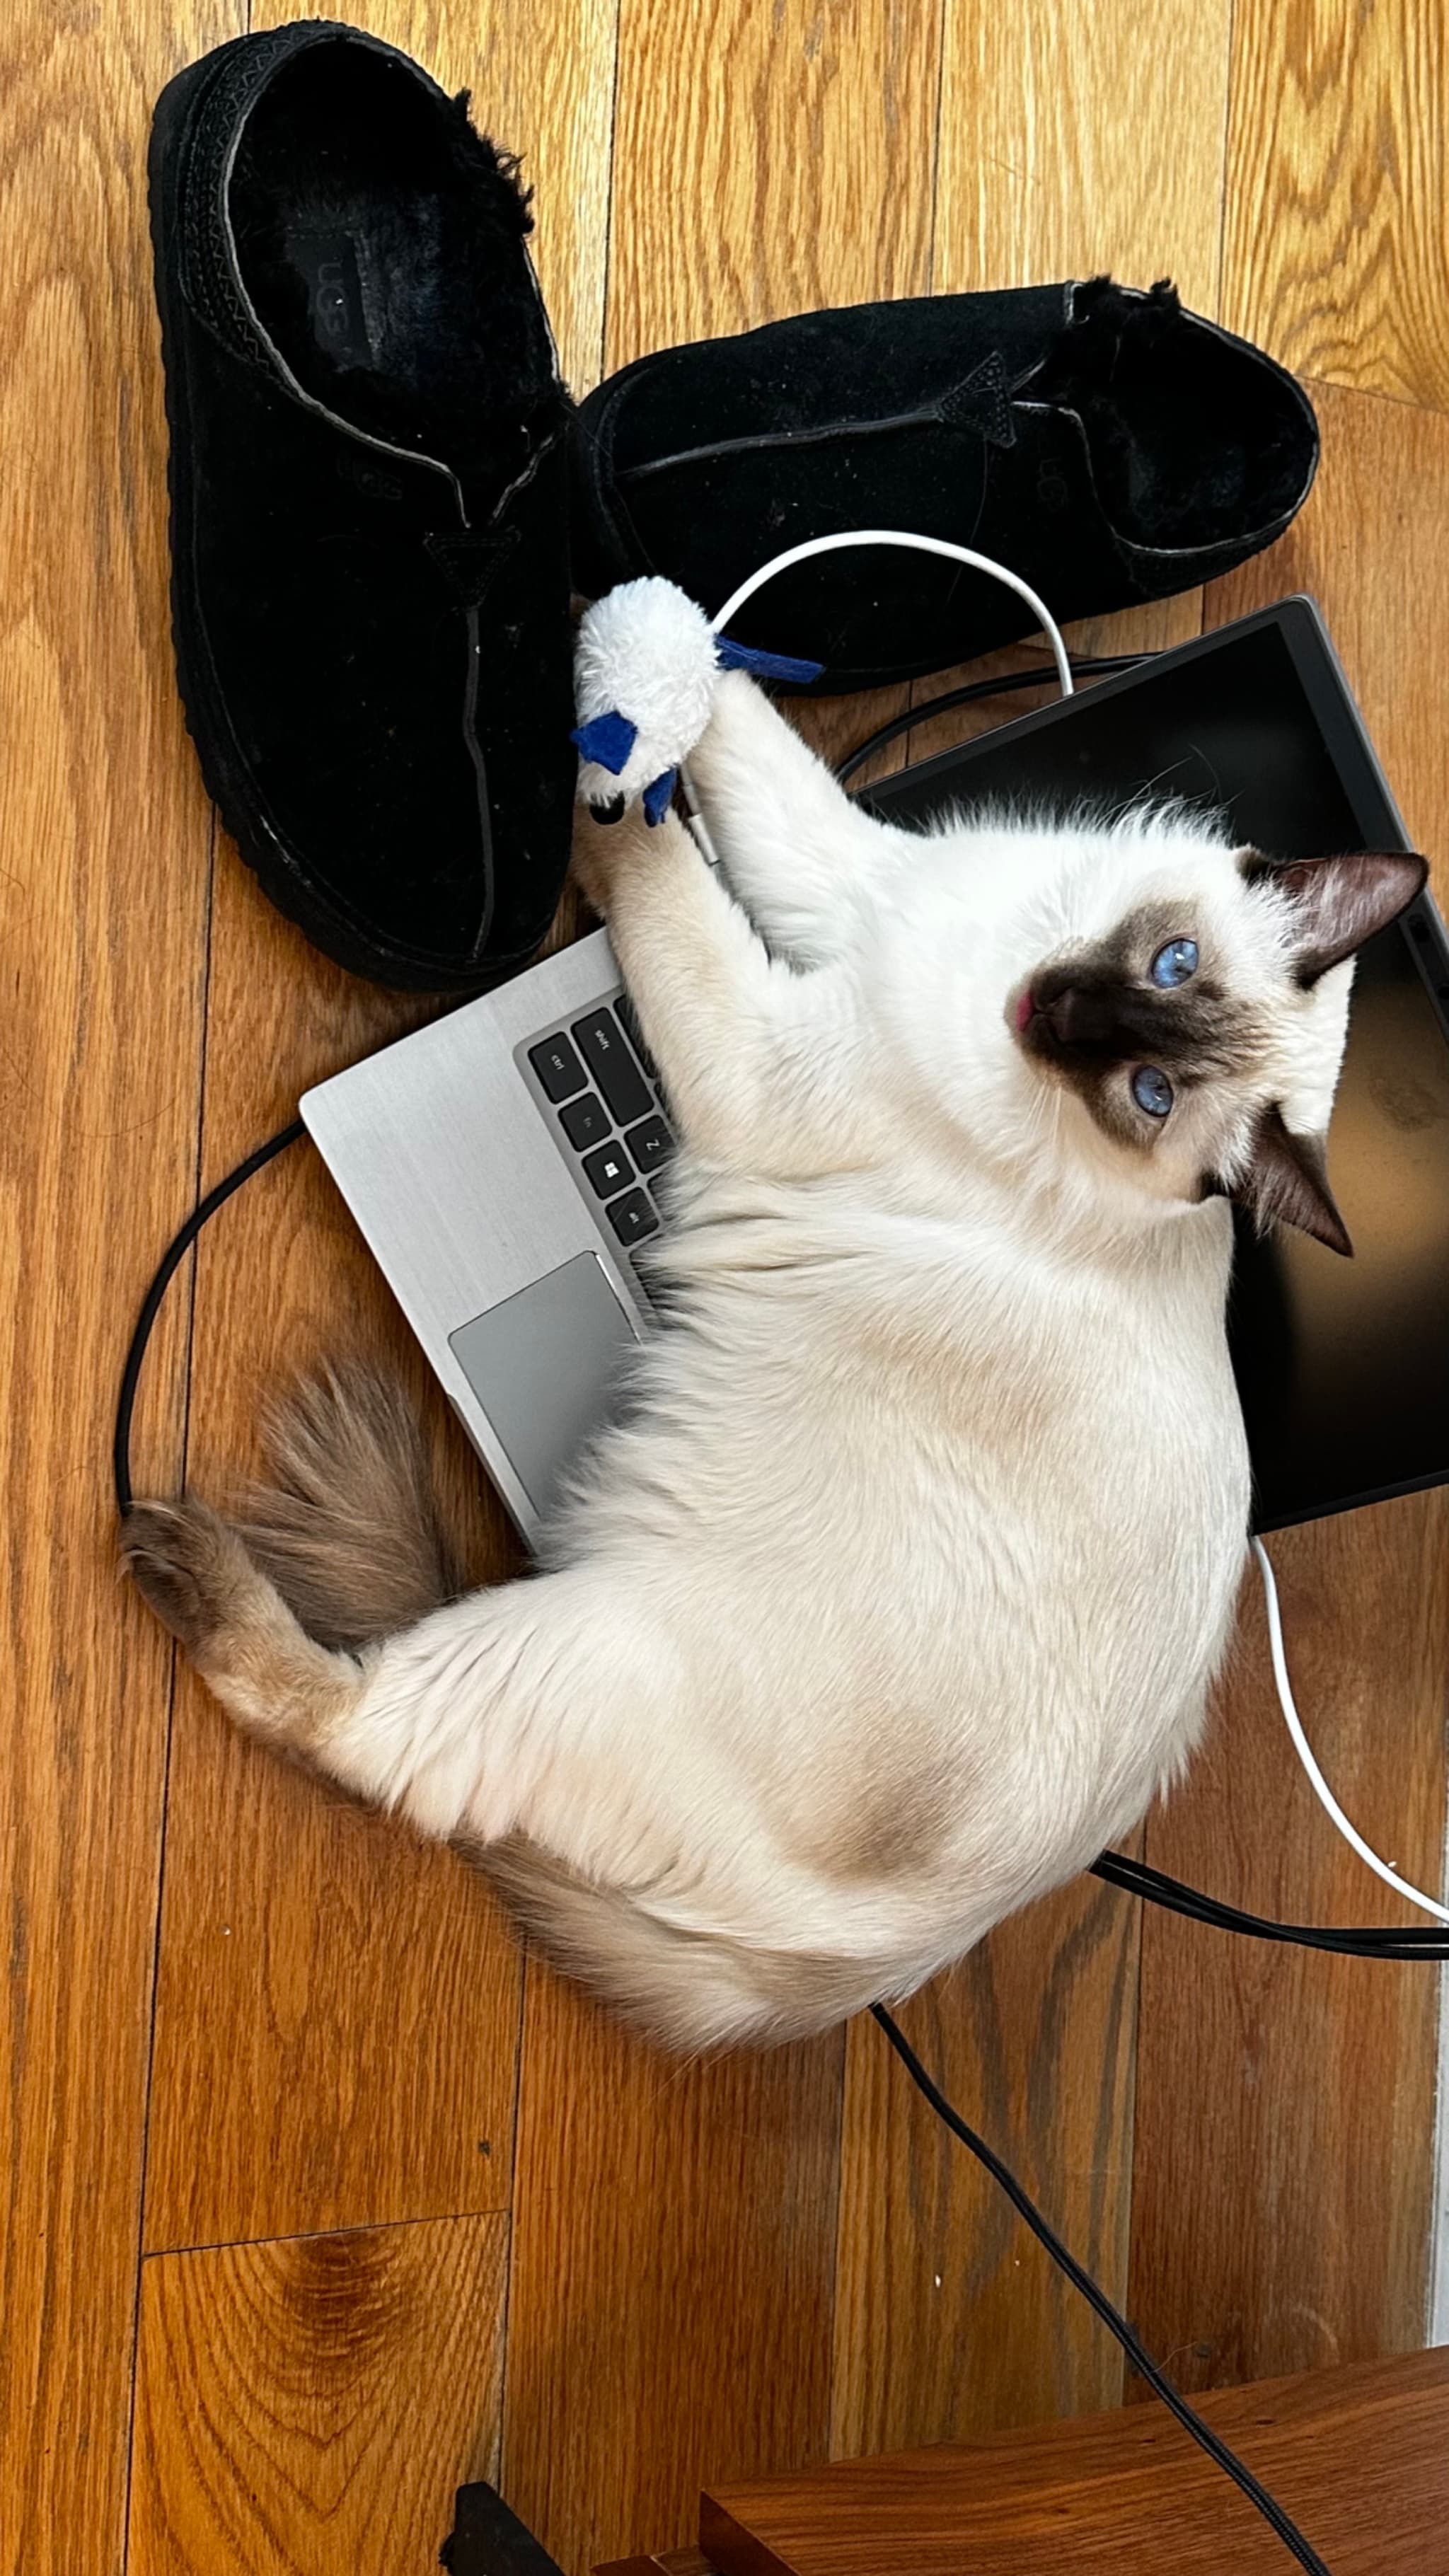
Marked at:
<point>1051,485</point>
<point>327,262</point>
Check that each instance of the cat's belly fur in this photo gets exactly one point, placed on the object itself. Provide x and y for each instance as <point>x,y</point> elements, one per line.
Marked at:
<point>924,1613</point>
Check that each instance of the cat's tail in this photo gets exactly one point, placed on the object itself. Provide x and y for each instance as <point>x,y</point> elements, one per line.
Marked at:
<point>348,1529</point>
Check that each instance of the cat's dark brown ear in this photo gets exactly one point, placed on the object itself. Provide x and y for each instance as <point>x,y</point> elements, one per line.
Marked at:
<point>1339,903</point>
<point>1286,1183</point>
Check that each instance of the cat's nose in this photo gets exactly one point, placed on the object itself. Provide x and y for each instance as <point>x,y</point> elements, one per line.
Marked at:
<point>1075,1018</point>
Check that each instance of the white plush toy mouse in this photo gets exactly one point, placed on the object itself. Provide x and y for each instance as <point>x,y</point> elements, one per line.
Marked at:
<point>646,668</point>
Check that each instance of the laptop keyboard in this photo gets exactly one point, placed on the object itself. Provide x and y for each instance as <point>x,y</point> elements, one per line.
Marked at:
<point>602,1087</point>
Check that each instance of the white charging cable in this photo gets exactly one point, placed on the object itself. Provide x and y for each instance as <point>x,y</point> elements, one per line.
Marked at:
<point>904,537</point>
<point>1304,1750</point>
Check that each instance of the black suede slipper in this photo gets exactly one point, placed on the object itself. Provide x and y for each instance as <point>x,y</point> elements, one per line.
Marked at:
<point>1099,441</point>
<point>370,581</point>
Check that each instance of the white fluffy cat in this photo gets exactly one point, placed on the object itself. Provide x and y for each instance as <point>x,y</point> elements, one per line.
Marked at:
<point>896,1593</point>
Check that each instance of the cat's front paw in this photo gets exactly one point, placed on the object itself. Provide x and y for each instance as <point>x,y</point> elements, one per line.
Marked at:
<point>601,851</point>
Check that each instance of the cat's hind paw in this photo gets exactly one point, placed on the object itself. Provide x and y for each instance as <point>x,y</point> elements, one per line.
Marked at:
<point>187,1566</point>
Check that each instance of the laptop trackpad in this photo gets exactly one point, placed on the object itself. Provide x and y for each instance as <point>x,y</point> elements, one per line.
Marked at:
<point>543,1366</point>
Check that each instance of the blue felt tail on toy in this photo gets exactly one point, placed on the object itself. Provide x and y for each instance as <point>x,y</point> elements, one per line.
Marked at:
<point>656,796</point>
<point>607,739</point>
<point>764,666</point>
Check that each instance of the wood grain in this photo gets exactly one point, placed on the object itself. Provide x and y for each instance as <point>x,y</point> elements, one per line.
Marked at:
<point>1370,546</point>
<point>673,2255</point>
<point>315,1963</point>
<point>1358,2457</point>
<point>1284,2123</point>
<point>102,930</point>
<point>1078,136</point>
<point>337,2005</point>
<point>767,161</point>
<point>1335,253</point>
<point>271,2440</point>
<point>675,2229</point>
<point>542,84</point>
<point>949,2320</point>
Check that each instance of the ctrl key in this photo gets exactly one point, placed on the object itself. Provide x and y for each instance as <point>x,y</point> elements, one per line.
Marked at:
<point>633,1216</point>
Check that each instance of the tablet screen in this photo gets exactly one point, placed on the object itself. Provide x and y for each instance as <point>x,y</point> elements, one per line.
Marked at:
<point>1342,1366</point>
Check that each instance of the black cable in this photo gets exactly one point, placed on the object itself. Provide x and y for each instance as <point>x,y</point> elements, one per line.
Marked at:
<point>1090,666</point>
<point>1387,1941</point>
<point>1097,2300</point>
<point>171,1261</point>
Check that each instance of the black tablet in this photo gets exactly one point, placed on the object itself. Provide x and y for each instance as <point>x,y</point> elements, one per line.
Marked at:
<point>1342,1366</point>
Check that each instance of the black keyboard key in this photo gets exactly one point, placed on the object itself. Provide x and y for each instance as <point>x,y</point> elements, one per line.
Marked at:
<point>608,1170</point>
<point>635,1035</point>
<point>605,1051</point>
<point>585,1122</point>
<point>557,1067</point>
<point>650,1143</point>
<point>632,1217</point>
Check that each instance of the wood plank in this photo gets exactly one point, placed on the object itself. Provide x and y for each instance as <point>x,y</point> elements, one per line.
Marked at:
<point>312,2405</point>
<point>1338,165</point>
<point>1083,136</point>
<point>1358,2457</point>
<point>321,1976</point>
<point>949,2319</point>
<point>669,2562</point>
<point>542,84</point>
<point>672,2269</point>
<point>676,2226</point>
<point>102,922</point>
<point>767,162</point>
<point>1284,2126</point>
<point>1369,545</point>
<point>337,2004</point>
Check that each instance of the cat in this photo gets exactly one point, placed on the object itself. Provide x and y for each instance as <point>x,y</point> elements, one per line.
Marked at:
<point>895,1589</point>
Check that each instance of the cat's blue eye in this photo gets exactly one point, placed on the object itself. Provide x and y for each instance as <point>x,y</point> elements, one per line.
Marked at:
<point>1152,1091</point>
<point>1174,963</point>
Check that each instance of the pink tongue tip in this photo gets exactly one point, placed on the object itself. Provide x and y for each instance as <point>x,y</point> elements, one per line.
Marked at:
<point>1024,1009</point>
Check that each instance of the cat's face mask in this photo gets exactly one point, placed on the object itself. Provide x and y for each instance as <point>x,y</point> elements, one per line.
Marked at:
<point>1202,1030</point>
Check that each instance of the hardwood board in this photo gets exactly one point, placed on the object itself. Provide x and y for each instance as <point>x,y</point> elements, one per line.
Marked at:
<point>674,2241</point>
<point>1284,2124</point>
<point>767,161</point>
<point>1357,2456</point>
<point>669,2562</point>
<point>542,84</point>
<point>1078,136</point>
<point>676,2227</point>
<point>1338,162</point>
<point>337,2004</point>
<point>949,2319</point>
<point>102,937</point>
<point>270,2438</point>
<point>315,1962</point>
<point>1369,544</point>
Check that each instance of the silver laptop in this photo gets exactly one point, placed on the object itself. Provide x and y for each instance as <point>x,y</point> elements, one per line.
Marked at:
<point>502,1166</point>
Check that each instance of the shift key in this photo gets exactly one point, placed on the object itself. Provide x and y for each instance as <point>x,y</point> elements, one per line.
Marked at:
<point>605,1050</point>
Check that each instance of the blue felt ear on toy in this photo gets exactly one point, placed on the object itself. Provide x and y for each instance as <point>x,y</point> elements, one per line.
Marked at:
<point>764,666</point>
<point>607,739</point>
<point>656,796</point>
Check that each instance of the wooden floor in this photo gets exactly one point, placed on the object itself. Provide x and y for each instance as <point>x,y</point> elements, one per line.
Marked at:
<point>320,2199</point>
